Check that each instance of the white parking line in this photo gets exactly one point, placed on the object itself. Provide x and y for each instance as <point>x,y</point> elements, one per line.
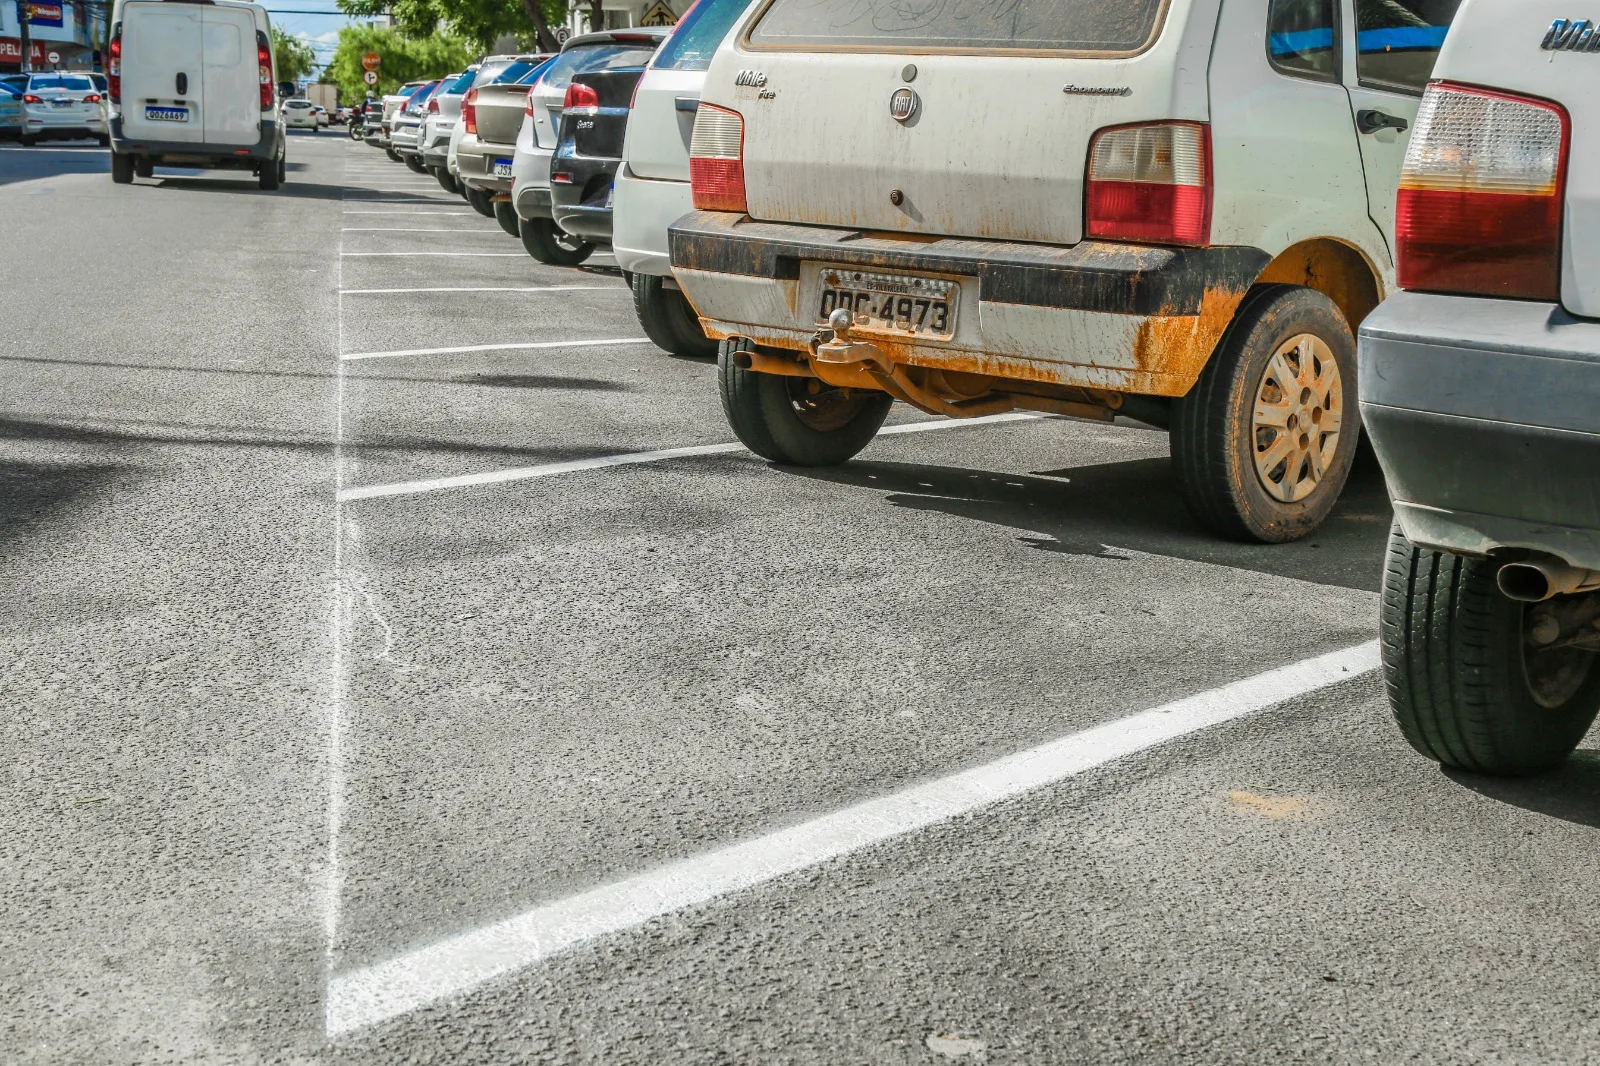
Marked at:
<point>490,288</point>
<point>517,255</point>
<point>491,348</point>
<point>406,229</point>
<point>526,473</point>
<point>470,960</point>
<point>453,212</point>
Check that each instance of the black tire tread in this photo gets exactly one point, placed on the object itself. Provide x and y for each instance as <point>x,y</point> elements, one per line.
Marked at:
<point>121,168</point>
<point>667,318</point>
<point>759,411</point>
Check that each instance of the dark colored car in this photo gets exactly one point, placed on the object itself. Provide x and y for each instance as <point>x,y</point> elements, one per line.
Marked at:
<point>594,120</point>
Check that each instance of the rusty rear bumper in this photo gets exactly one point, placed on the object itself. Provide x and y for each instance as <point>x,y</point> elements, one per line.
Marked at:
<point>1101,315</point>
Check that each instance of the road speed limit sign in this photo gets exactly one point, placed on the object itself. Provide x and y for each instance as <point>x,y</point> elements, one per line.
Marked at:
<point>370,77</point>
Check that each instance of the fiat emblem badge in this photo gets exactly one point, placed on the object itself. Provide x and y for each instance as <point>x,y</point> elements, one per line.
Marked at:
<point>903,104</point>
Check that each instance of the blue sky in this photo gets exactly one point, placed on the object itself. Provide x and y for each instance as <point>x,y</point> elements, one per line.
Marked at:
<point>322,31</point>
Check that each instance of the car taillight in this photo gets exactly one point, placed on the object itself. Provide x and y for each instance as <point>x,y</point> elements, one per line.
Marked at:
<point>114,69</point>
<point>29,98</point>
<point>1150,183</point>
<point>92,98</point>
<point>469,111</point>
<point>716,160</point>
<point>1479,208</point>
<point>264,71</point>
<point>580,98</point>
<point>433,107</point>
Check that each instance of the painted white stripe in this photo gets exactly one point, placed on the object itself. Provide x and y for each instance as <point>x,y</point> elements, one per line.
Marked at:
<point>437,229</point>
<point>494,288</point>
<point>467,255</point>
<point>525,473</point>
<point>470,960</point>
<point>453,212</point>
<point>491,348</point>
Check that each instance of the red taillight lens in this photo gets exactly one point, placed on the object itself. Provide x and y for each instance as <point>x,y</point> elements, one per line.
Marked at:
<point>29,98</point>
<point>716,160</point>
<point>114,70</point>
<point>1479,209</point>
<point>433,107</point>
<point>1150,183</point>
<point>92,98</point>
<point>469,111</point>
<point>264,70</point>
<point>579,97</point>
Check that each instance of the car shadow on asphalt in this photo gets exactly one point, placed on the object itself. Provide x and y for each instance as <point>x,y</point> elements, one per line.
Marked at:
<point>1102,510</point>
<point>39,163</point>
<point>31,492</point>
<point>1570,792</point>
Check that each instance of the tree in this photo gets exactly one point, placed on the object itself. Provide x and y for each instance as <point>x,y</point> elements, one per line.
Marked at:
<point>404,59</point>
<point>480,21</point>
<point>294,57</point>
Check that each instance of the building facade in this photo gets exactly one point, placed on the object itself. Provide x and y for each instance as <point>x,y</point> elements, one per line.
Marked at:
<point>63,34</point>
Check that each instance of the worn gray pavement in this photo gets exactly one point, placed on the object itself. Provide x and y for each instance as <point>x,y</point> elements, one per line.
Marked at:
<point>257,740</point>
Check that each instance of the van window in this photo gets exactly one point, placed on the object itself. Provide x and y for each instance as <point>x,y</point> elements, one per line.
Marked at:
<point>1397,41</point>
<point>617,56</point>
<point>695,38</point>
<point>1302,38</point>
<point>1103,26</point>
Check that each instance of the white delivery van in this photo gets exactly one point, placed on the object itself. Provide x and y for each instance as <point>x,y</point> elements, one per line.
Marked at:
<point>192,84</point>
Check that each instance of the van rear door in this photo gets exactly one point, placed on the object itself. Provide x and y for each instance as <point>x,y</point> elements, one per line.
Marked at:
<point>163,75</point>
<point>993,140</point>
<point>232,82</point>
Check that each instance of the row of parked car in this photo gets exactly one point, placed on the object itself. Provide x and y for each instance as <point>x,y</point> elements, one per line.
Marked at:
<point>1185,212</point>
<point>55,105</point>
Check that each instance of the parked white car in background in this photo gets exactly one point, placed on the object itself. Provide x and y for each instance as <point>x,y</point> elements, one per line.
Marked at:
<point>652,185</point>
<point>300,114</point>
<point>11,90</point>
<point>1179,210</point>
<point>62,107</point>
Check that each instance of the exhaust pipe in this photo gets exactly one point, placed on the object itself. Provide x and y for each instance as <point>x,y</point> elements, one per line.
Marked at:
<point>1536,580</point>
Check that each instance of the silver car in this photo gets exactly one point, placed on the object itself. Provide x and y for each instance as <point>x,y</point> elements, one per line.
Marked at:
<point>444,108</point>
<point>406,126</point>
<point>63,107</point>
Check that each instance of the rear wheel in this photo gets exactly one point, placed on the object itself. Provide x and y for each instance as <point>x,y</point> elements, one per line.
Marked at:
<point>446,182</point>
<point>1469,685</point>
<point>142,167</point>
<point>549,243</point>
<point>415,163</point>
<point>105,142</point>
<point>121,168</point>
<point>507,217</point>
<point>668,319</point>
<point>28,140</point>
<point>480,202</point>
<point>1263,443</point>
<point>792,420</point>
<point>394,155</point>
<point>270,176</point>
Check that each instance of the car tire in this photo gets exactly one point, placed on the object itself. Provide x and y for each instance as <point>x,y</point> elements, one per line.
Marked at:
<point>668,320</point>
<point>480,202</point>
<point>122,168</point>
<point>283,169</point>
<point>413,163</point>
<point>446,182</point>
<point>394,155</point>
<point>1464,686</point>
<point>268,177</point>
<point>1246,447</point>
<point>105,142</point>
<point>549,243</point>
<point>142,167</point>
<point>793,420</point>
<point>28,140</point>
<point>506,215</point>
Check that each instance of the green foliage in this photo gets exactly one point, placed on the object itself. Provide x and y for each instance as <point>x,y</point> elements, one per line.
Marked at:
<point>479,21</point>
<point>294,57</point>
<point>404,59</point>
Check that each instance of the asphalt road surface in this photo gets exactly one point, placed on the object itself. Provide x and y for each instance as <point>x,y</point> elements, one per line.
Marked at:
<point>361,707</point>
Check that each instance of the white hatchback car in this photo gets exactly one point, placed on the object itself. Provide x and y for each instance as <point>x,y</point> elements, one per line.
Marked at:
<point>652,184</point>
<point>1179,210</point>
<point>300,114</point>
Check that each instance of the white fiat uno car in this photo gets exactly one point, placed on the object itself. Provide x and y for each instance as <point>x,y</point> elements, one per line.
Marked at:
<point>1179,210</point>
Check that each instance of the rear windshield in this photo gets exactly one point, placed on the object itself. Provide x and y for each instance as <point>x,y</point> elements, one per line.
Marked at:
<point>58,81</point>
<point>536,73</point>
<point>503,72</point>
<point>461,84</point>
<point>592,57</point>
<point>1095,26</point>
<point>696,36</point>
<point>298,104</point>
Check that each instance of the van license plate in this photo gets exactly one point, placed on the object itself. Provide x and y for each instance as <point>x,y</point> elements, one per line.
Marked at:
<point>502,168</point>
<point>924,307</point>
<point>167,114</point>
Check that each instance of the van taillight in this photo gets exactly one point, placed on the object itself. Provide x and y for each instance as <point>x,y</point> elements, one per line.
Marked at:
<point>114,69</point>
<point>1479,209</point>
<point>716,160</point>
<point>1150,183</point>
<point>469,111</point>
<point>264,70</point>
<point>580,98</point>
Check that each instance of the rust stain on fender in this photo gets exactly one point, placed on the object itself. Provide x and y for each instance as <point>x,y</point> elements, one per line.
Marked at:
<point>1174,349</point>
